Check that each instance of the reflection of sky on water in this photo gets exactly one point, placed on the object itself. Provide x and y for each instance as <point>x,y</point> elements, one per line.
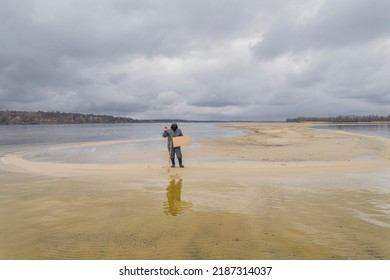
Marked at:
<point>93,153</point>
<point>368,129</point>
<point>98,142</point>
<point>80,133</point>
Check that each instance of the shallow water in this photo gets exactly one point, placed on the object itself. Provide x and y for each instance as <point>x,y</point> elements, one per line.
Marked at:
<point>270,218</point>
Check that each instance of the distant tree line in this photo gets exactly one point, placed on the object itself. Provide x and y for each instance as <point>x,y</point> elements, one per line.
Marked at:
<point>25,117</point>
<point>342,119</point>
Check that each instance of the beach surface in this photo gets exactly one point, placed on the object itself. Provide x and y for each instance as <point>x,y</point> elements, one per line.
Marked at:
<point>281,191</point>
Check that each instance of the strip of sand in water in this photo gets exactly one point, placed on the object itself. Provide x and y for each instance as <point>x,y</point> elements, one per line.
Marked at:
<point>283,191</point>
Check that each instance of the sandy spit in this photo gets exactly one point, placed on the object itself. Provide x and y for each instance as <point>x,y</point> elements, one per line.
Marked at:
<point>281,191</point>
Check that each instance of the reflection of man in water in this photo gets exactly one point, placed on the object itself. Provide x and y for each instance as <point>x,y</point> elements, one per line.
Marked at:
<point>175,206</point>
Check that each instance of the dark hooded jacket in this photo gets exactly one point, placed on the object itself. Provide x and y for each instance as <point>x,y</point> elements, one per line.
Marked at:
<point>172,132</point>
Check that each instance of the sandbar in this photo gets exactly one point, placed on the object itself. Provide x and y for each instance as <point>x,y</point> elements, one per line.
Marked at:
<point>281,191</point>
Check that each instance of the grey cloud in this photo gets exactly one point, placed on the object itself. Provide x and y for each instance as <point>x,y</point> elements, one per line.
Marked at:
<point>196,59</point>
<point>336,24</point>
<point>112,107</point>
<point>220,100</point>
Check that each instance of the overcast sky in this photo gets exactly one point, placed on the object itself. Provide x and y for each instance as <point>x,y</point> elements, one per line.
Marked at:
<point>199,59</point>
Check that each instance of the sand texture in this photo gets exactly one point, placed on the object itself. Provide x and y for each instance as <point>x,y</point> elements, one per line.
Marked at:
<point>281,191</point>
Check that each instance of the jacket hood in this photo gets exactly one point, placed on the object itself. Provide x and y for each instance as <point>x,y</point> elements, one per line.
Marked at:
<point>174,126</point>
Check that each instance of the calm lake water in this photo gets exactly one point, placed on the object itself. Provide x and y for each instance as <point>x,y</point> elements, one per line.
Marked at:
<point>145,135</point>
<point>367,129</point>
<point>75,133</point>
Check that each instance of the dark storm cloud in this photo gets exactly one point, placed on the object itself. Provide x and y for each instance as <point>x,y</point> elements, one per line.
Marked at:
<point>220,59</point>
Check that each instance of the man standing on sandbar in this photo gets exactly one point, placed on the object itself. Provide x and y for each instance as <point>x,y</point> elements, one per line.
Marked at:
<point>174,131</point>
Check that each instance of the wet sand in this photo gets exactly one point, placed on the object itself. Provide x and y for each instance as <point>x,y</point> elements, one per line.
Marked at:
<point>282,191</point>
